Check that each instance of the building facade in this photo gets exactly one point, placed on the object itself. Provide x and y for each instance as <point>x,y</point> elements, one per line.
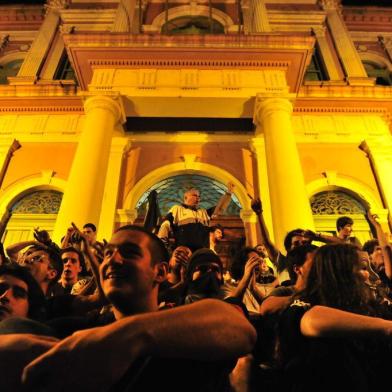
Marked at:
<point>103,101</point>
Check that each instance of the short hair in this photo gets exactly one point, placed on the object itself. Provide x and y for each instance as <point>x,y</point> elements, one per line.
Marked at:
<point>297,257</point>
<point>369,246</point>
<point>217,227</point>
<point>159,252</point>
<point>289,236</point>
<point>343,221</point>
<point>190,190</point>
<point>35,295</point>
<point>91,226</point>
<point>55,260</point>
<point>80,255</point>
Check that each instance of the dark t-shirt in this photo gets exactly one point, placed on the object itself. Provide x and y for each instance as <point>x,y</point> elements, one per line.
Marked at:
<point>327,364</point>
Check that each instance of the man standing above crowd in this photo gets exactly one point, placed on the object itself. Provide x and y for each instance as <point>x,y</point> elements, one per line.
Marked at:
<point>189,223</point>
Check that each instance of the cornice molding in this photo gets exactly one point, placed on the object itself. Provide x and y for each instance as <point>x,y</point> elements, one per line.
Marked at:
<point>200,63</point>
<point>209,41</point>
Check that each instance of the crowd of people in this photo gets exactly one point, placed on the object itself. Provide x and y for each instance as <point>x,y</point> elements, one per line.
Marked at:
<point>152,310</point>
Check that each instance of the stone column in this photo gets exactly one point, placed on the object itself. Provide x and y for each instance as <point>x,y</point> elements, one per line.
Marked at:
<point>352,64</point>
<point>289,201</point>
<point>85,186</point>
<point>379,153</point>
<point>36,56</point>
<point>124,19</point>
<point>326,54</point>
<point>119,147</point>
<point>259,17</point>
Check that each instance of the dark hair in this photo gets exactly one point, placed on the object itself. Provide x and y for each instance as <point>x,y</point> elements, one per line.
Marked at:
<point>297,257</point>
<point>55,260</point>
<point>237,266</point>
<point>35,296</point>
<point>332,281</point>
<point>159,252</point>
<point>217,227</point>
<point>343,221</point>
<point>289,236</point>
<point>82,261</point>
<point>369,246</point>
<point>91,226</point>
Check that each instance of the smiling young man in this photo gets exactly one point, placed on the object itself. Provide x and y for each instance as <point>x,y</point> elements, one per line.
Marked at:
<point>200,341</point>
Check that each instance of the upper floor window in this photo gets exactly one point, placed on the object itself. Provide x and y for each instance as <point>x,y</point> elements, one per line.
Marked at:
<point>10,68</point>
<point>315,70</point>
<point>192,25</point>
<point>381,72</point>
<point>65,70</point>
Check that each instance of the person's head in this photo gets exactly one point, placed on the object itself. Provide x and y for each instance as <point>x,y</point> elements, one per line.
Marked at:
<point>373,248</point>
<point>192,198</point>
<point>20,294</point>
<point>261,250</point>
<point>134,264</point>
<point>204,274</point>
<point>44,264</point>
<point>337,279</point>
<point>73,262</point>
<point>295,238</point>
<point>299,261</point>
<point>216,233</point>
<point>90,231</point>
<point>344,226</point>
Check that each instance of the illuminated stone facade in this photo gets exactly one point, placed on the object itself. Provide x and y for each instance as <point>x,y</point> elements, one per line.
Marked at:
<point>284,99</point>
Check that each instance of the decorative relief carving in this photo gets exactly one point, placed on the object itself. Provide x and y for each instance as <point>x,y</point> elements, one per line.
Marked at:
<point>57,4</point>
<point>335,203</point>
<point>330,5</point>
<point>147,78</point>
<point>189,78</point>
<point>41,202</point>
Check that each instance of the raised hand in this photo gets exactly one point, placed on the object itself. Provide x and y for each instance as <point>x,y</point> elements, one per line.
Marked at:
<point>42,236</point>
<point>256,206</point>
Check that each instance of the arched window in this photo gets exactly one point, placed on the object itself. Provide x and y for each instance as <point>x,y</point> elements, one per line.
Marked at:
<point>36,209</point>
<point>328,206</point>
<point>380,72</point>
<point>171,190</point>
<point>335,203</point>
<point>192,25</point>
<point>39,202</point>
<point>10,68</point>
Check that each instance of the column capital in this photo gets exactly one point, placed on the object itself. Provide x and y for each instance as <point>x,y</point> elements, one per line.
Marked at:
<point>248,216</point>
<point>110,103</point>
<point>381,149</point>
<point>265,106</point>
<point>256,144</point>
<point>56,4</point>
<point>331,5</point>
<point>319,31</point>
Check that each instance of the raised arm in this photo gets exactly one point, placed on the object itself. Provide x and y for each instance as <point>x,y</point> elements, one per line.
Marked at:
<point>322,321</point>
<point>383,242</point>
<point>207,330</point>
<point>272,250</point>
<point>14,249</point>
